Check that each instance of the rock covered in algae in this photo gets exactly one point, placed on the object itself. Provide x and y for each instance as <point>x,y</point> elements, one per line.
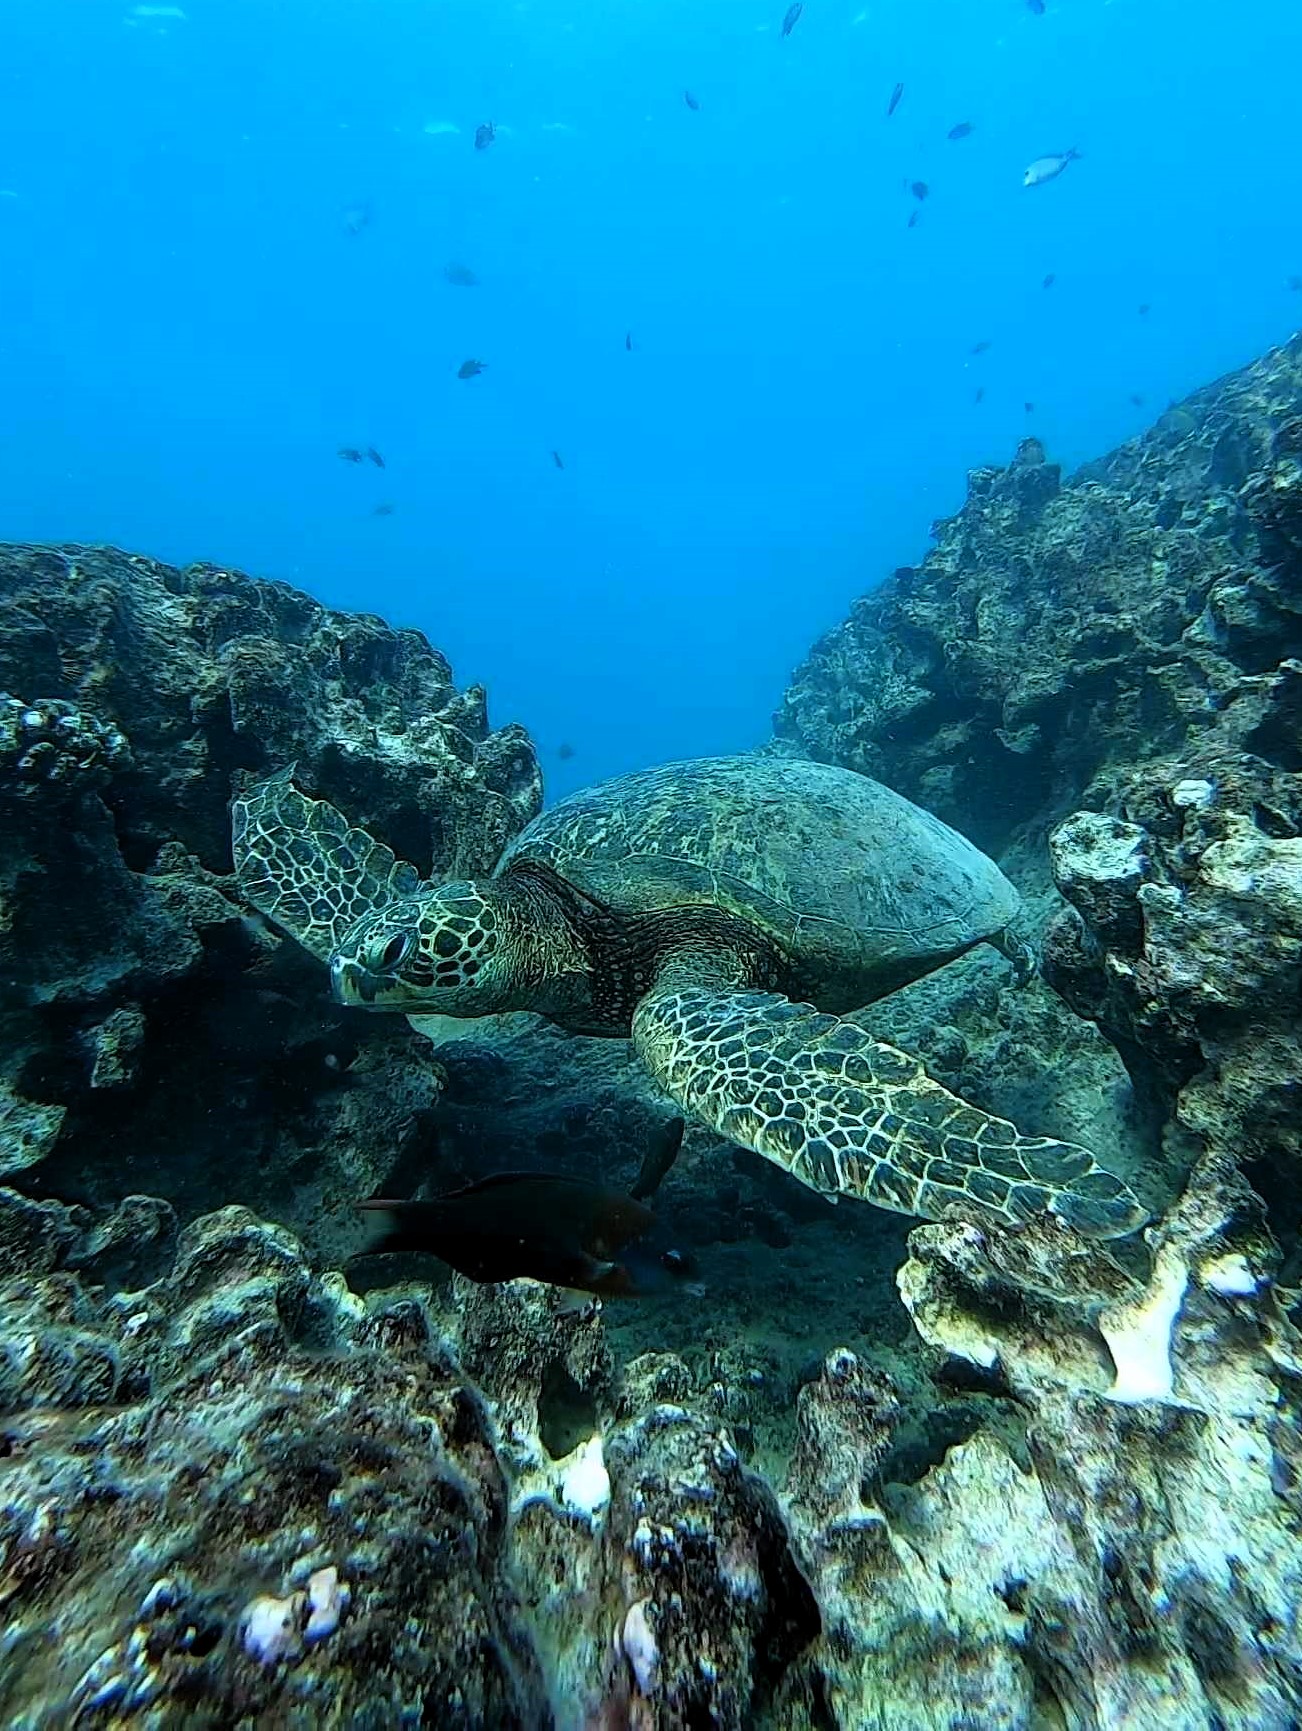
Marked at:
<point>149,1021</point>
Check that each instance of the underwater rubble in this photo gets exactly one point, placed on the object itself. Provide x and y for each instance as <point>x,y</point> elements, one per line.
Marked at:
<point>876,1475</point>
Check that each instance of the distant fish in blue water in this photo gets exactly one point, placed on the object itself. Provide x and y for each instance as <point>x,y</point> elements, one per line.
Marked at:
<point>792,17</point>
<point>691,101</point>
<point>564,1231</point>
<point>349,453</point>
<point>485,134</point>
<point>1137,399</point>
<point>556,458</point>
<point>1049,281</point>
<point>375,456</point>
<point>1144,310</point>
<point>565,751</point>
<point>1295,283</point>
<point>981,347</point>
<point>919,189</point>
<point>1036,6</point>
<point>980,393</point>
<point>1029,408</point>
<point>382,511</point>
<point>356,218</point>
<point>964,129</point>
<point>913,219</point>
<point>1048,167</point>
<point>894,102</point>
<point>470,369</point>
<point>460,276</point>
<point>628,341</point>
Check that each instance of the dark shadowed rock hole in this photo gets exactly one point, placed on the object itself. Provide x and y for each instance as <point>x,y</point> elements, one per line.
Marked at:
<point>567,1413</point>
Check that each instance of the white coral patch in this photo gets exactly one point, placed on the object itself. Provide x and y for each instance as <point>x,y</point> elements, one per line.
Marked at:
<point>638,1644</point>
<point>269,1627</point>
<point>1139,1333</point>
<point>1230,1276</point>
<point>584,1482</point>
<point>327,1600</point>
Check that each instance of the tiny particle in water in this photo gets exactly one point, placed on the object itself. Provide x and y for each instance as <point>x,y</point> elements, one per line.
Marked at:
<point>894,102</point>
<point>792,17</point>
<point>981,347</point>
<point>1049,281</point>
<point>470,369</point>
<point>691,101</point>
<point>919,189</point>
<point>962,130</point>
<point>375,456</point>
<point>485,134</point>
<point>556,458</point>
<point>349,453</point>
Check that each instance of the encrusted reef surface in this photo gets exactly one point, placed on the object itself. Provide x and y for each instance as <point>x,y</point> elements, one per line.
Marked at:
<point>154,1035</point>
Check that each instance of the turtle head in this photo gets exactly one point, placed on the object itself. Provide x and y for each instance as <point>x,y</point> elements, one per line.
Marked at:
<point>441,949</point>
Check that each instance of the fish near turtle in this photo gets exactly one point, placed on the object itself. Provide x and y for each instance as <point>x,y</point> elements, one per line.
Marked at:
<point>725,913</point>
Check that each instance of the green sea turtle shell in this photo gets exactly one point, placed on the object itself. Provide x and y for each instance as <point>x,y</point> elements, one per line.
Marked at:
<point>861,889</point>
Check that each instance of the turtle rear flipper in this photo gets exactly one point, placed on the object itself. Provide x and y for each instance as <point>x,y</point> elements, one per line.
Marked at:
<point>298,862</point>
<point>848,1114</point>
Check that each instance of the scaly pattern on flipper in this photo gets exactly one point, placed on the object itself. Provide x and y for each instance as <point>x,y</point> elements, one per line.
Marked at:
<point>298,861</point>
<point>846,1113</point>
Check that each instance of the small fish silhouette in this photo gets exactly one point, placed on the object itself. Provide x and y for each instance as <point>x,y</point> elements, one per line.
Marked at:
<point>691,101</point>
<point>1295,283</point>
<point>356,218</point>
<point>1029,408</point>
<point>628,341</point>
<point>1049,281</point>
<point>1144,310</point>
<point>485,134</point>
<point>919,189</point>
<point>460,276</point>
<point>382,511</point>
<point>1036,6</point>
<point>470,369</point>
<point>556,458</point>
<point>894,102</point>
<point>1137,399</point>
<point>349,453</point>
<point>792,17</point>
<point>962,130</point>
<point>980,393</point>
<point>913,219</point>
<point>981,347</point>
<point>565,751</point>
<point>375,456</point>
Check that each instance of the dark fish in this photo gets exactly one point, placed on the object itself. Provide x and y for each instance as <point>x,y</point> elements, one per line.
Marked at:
<point>919,189</point>
<point>691,101</point>
<point>980,392</point>
<point>349,453</point>
<point>485,134</point>
<point>1029,407</point>
<point>356,218</point>
<point>1144,310</point>
<point>382,511</point>
<point>894,102</point>
<point>1137,399</point>
<point>563,1231</point>
<point>913,218</point>
<point>981,347</point>
<point>1049,281</point>
<point>470,369</point>
<point>460,276</point>
<point>792,17</point>
<point>375,456</point>
<point>556,458</point>
<point>628,341</point>
<point>1036,6</point>
<point>962,130</point>
<point>1295,283</point>
<point>565,752</point>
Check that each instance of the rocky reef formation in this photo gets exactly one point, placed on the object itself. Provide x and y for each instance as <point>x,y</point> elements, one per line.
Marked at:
<point>150,1024</point>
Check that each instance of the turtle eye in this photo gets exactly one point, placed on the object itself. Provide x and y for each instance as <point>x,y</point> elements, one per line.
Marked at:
<point>391,953</point>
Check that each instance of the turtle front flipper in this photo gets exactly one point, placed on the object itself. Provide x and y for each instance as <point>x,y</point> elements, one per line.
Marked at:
<point>848,1114</point>
<point>298,862</point>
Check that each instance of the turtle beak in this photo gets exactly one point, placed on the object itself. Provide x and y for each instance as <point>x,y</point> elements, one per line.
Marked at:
<point>350,984</point>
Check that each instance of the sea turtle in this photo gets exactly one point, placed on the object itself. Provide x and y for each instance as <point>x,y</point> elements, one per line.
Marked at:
<point>723,911</point>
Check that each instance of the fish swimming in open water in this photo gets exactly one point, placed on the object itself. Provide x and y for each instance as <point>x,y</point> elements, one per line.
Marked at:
<point>1048,167</point>
<point>894,102</point>
<point>962,130</point>
<point>375,456</point>
<point>460,275</point>
<point>563,1231</point>
<point>349,453</point>
<point>792,17</point>
<point>556,458</point>
<point>485,134</point>
<point>691,101</point>
<point>470,369</point>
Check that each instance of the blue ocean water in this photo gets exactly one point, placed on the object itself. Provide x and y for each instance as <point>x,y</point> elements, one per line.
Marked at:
<point>223,236</point>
